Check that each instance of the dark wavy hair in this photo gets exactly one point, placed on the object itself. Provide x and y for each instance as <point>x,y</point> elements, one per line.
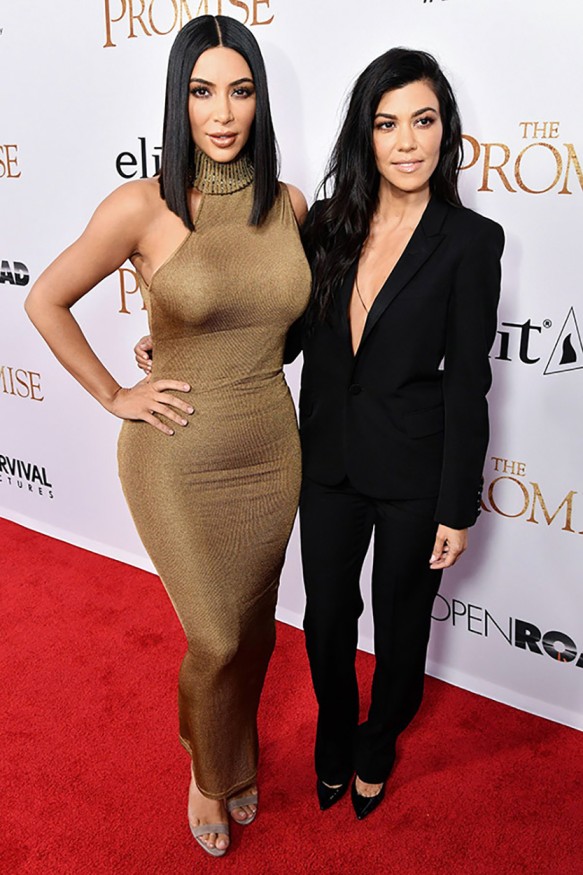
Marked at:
<point>200,34</point>
<point>338,226</point>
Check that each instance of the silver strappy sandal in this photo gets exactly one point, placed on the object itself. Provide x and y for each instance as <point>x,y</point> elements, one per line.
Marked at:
<point>239,802</point>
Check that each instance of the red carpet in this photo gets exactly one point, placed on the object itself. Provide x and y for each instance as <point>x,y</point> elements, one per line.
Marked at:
<point>94,781</point>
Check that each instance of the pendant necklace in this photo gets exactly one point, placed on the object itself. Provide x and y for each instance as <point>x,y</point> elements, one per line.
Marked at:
<point>358,292</point>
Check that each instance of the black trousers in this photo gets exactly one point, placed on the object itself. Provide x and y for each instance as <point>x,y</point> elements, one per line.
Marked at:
<point>336,524</point>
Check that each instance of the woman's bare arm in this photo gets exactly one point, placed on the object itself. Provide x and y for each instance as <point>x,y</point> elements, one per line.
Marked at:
<point>112,236</point>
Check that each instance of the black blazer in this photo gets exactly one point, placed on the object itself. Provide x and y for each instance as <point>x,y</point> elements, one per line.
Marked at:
<point>407,416</point>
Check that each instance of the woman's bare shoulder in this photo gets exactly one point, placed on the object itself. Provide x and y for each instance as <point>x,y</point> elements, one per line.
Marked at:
<point>298,201</point>
<point>130,209</point>
<point>137,195</point>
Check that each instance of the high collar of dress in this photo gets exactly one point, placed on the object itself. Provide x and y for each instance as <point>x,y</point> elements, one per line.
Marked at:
<point>215,177</point>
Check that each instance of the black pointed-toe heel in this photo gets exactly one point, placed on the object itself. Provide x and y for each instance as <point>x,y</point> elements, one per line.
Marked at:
<point>329,796</point>
<point>365,805</point>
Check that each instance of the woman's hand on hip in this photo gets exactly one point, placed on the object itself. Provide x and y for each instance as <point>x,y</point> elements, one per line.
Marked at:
<point>143,353</point>
<point>148,398</point>
<point>449,546</point>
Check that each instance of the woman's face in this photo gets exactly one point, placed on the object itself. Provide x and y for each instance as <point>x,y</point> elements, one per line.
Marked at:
<point>407,137</point>
<point>221,105</point>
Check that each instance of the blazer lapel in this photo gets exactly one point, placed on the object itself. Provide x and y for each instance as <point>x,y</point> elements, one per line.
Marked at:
<point>424,241</point>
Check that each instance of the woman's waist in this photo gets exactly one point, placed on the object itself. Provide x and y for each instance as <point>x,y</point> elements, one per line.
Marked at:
<point>203,381</point>
<point>228,400</point>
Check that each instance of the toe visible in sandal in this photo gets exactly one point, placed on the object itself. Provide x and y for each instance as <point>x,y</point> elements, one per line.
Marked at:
<point>203,829</point>
<point>240,802</point>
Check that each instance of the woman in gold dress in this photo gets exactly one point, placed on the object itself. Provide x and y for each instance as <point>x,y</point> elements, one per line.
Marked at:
<point>209,455</point>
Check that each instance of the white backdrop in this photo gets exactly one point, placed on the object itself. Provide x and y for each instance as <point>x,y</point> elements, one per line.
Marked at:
<point>83,83</point>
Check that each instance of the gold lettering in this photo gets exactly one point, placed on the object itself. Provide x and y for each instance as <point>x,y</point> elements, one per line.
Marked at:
<point>488,166</point>
<point>161,17</point>
<point>525,495</point>
<point>475,151</point>
<point>34,385</point>
<point>511,467</point>
<point>242,6</point>
<point>10,161</point>
<point>22,380</point>
<point>568,501</point>
<point>256,4</point>
<point>572,159</point>
<point>184,9</point>
<point>518,168</point>
<point>553,130</point>
<point>507,466</point>
<point>539,130</point>
<point>137,17</point>
<point>109,21</point>
<point>151,19</point>
<point>8,389</point>
<point>21,383</point>
<point>125,290</point>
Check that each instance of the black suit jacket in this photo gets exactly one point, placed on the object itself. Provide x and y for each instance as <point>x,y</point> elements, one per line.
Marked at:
<point>407,416</point>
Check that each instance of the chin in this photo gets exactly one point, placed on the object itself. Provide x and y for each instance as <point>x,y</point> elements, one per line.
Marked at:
<point>223,157</point>
<point>410,185</point>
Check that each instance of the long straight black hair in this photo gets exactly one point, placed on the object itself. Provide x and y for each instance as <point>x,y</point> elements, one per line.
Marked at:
<point>338,226</point>
<point>200,34</point>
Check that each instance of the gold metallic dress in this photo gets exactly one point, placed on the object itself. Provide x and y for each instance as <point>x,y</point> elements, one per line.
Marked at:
<point>214,504</point>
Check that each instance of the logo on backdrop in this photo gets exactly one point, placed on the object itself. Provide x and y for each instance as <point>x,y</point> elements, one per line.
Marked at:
<point>544,165</point>
<point>20,383</point>
<point>129,286</point>
<point>15,273</point>
<point>516,632</point>
<point>509,493</point>
<point>554,350</point>
<point>130,19</point>
<point>27,476</point>
<point>9,161</point>
<point>143,162</point>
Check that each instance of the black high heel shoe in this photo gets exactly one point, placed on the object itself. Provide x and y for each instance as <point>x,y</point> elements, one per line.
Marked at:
<point>364,805</point>
<point>329,796</point>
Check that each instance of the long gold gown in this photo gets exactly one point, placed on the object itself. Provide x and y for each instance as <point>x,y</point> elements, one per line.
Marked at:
<point>214,504</point>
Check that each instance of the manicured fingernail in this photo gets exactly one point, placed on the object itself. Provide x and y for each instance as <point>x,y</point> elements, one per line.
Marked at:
<point>433,557</point>
<point>186,387</point>
<point>190,409</point>
<point>170,432</point>
<point>183,421</point>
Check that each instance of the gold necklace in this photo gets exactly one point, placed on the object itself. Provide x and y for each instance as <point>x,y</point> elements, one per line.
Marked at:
<point>358,292</point>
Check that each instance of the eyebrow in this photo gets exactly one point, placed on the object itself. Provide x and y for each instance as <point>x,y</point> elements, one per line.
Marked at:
<point>414,115</point>
<point>231,84</point>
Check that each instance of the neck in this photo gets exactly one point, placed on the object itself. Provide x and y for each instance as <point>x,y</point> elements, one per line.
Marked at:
<point>396,207</point>
<point>216,177</point>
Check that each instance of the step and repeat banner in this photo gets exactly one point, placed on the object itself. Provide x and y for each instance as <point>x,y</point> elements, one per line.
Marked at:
<point>81,112</point>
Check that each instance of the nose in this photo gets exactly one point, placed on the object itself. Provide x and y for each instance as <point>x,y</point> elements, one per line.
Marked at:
<point>223,111</point>
<point>406,139</point>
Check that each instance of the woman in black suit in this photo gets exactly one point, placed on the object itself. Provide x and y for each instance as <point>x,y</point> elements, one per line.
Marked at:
<point>393,411</point>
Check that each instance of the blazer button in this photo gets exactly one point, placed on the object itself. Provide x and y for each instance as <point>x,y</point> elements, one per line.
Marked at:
<point>355,389</point>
